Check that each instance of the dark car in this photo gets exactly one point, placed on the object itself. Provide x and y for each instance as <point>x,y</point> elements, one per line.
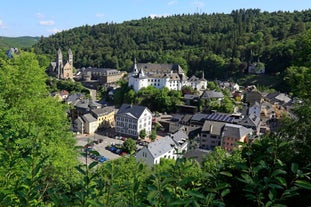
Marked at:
<point>112,149</point>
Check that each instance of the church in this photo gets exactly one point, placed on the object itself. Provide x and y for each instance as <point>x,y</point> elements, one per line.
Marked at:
<point>159,76</point>
<point>60,70</point>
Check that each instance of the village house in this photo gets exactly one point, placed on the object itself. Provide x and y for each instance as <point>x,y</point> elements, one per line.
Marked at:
<point>233,133</point>
<point>211,134</point>
<point>105,116</point>
<point>169,147</point>
<point>132,119</point>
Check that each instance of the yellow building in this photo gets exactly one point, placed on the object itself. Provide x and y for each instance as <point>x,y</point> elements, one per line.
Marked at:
<point>105,116</point>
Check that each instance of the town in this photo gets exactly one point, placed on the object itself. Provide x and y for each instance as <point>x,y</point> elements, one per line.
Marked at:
<point>191,130</point>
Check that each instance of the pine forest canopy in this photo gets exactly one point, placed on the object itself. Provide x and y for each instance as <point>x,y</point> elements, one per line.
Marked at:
<point>221,44</point>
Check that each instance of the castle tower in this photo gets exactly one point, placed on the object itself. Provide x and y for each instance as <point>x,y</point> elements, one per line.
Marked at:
<point>60,64</point>
<point>70,57</point>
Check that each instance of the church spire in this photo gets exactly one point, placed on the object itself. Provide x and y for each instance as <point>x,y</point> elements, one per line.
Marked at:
<point>203,75</point>
<point>135,69</point>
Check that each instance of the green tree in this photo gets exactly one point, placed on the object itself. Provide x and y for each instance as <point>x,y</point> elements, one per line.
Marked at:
<point>142,134</point>
<point>129,146</point>
<point>153,134</point>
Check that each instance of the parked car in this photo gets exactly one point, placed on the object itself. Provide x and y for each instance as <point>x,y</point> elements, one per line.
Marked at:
<point>112,149</point>
<point>118,151</point>
<point>102,159</point>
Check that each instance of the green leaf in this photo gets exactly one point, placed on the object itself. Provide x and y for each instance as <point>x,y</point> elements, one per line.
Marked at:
<point>278,172</point>
<point>246,179</point>
<point>81,170</point>
<point>93,164</point>
<point>294,167</point>
<point>281,180</point>
<point>226,173</point>
<point>303,184</point>
<point>225,192</point>
<point>196,194</point>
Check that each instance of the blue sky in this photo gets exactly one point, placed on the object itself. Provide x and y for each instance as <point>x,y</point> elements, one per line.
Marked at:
<point>46,17</point>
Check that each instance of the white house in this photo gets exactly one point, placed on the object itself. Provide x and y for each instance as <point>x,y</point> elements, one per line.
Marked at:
<point>197,83</point>
<point>131,119</point>
<point>168,147</point>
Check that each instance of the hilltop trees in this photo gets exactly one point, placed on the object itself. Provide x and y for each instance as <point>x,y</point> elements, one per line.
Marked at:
<point>216,43</point>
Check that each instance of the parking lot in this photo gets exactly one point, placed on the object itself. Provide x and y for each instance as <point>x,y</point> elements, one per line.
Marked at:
<point>82,140</point>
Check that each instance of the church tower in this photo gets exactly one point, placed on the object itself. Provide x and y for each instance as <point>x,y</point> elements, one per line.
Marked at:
<point>70,57</point>
<point>59,64</point>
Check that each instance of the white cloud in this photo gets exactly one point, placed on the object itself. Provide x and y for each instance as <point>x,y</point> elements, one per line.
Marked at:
<point>100,15</point>
<point>158,15</point>
<point>47,22</point>
<point>172,2</point>
<point>2,25</point>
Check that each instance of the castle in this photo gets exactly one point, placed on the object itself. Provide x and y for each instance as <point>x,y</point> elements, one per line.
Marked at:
<point>60,70</point>
<point>159,76</point>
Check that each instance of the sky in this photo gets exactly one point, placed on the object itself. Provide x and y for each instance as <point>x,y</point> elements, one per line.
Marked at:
<point>47,17</point>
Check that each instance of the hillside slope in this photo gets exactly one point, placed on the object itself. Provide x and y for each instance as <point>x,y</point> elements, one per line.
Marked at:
<point>19,42</point>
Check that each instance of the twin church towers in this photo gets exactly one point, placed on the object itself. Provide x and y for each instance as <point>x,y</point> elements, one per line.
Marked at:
<point>60,70</point>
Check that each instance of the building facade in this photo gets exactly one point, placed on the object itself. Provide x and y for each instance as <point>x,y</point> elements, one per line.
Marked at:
<point>132,119</point>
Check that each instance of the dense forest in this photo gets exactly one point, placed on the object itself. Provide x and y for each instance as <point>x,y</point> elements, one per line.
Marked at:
<point>220,44</point>
<point>37,149</point>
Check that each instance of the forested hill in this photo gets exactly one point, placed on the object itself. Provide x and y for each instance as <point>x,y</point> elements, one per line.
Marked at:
<point>18,42</point>
<point>221,44</point>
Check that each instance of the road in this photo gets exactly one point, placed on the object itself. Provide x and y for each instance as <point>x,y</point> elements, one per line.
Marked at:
<point>82,140</point>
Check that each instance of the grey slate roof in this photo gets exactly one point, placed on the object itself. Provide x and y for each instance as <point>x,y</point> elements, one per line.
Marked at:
<point>179,137</point>
<point>161,146</point>
<point>190,96</point>
<point>134,111</point>
<point>251,121</point>
<point>213,127</point>
<point>212,94</point>
<point>278,97</point>
<point>198,117</point>
<point>235,131</point>
<point>102,111</point>
<point>167,143</point>
<point>89,118</point>
<point>159,68</point>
